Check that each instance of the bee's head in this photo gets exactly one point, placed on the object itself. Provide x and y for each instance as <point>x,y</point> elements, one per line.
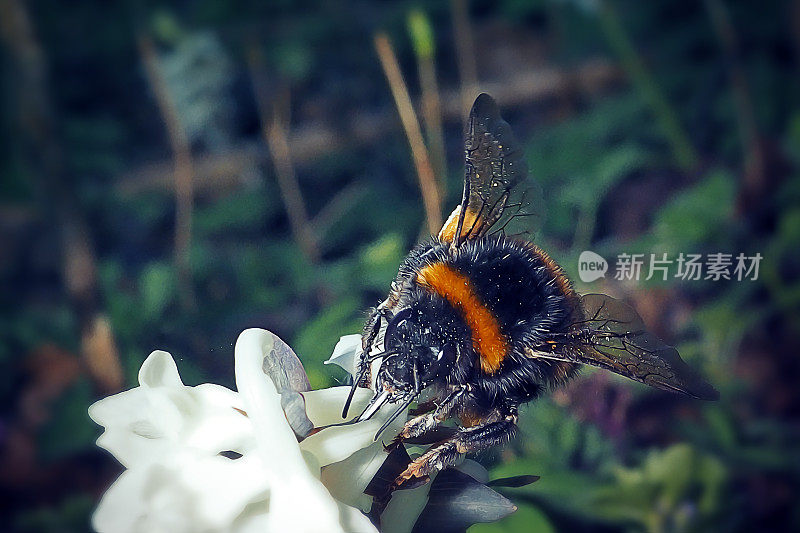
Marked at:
<point>416,355</point>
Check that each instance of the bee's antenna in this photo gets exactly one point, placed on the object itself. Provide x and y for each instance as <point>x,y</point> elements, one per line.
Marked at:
<point>353,388</point>
<point>374,405</point>
<point>348,423</point>
<point>386,354</point>
<point>403,406</point>
<point>360,376</point>
<point>397,412</point>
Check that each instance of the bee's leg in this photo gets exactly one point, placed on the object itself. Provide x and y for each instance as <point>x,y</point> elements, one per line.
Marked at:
<point>370,333</point>
<point>371,329</point>
<point>363,368</point>
<point>416,427</point>
<point>468,440</point>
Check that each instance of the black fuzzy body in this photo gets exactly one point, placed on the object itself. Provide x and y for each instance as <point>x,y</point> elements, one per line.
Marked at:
<point>522,288</point>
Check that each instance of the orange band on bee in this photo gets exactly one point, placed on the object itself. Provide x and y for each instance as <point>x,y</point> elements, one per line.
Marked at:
<point>456,288</point>
<point>448,231</point>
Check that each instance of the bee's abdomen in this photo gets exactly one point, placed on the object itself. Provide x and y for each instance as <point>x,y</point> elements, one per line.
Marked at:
<point>526,290</point>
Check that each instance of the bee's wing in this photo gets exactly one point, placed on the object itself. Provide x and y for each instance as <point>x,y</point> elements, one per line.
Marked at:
<point>615,338</point>
<point>494,165</point>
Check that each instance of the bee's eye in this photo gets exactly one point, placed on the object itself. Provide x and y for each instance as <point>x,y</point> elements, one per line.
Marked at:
<point>390,337</point>
<point>447,355</point>
<point>442,357</point>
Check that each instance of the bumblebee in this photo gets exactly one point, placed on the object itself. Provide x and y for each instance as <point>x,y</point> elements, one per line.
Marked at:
<point>481,322</point>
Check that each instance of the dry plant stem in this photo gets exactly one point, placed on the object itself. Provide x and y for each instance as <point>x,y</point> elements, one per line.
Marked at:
<point>278,143</point>
<point>274,120</point>
<point>465,54</point>
<point>344,201</point>
<point>421,32</point>
<point>100,353</point>
<point>432,117</point>
<point>215,173</point>
<point>43,152</point>
<point>182,168</point>
<point>682,149</point>
<point>754,174</point>
<point>427,181</point>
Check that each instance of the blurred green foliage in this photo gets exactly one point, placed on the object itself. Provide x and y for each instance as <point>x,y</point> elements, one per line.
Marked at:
<point>612,455</point>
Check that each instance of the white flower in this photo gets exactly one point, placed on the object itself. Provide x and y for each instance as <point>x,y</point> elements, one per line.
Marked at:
<point>206,458</point>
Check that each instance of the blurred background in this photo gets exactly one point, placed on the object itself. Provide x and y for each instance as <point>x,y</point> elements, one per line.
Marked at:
<point>173,173</point>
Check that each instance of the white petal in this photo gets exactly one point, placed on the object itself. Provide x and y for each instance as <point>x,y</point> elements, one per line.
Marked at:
<point>159,370</point>
<point>119,509</point>
<point>130,449</point>
<point>167,509</point>
<point>146,422</point>
<point>324,406</point>
<point>143,500</point>
<point>263,405</point>
<point>218,395</point>
<point>302,503</point>
<point>140,424</point>
<point>224,487</point>
<point>170,436</point>
<point>345,352</point>
<point>312,463</point>
<point>254,519</point>
<point>353,521</point>
<point>186,491</point>
<point>164,412</point>
<point>221,424</point>
<point>336,443</point>
<point>347,480</point>
<point>120,409</point>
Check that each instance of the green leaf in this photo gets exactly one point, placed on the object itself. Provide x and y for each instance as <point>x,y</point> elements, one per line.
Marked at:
<point>315,341</point>
<point>379,260</point>
<point>69,429</point>
<point>238,211</point>
<point>527,518</point>
<point>71,515</point>
<point>696,215</point>
<point>156,289</point>
<point>421,32</point>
